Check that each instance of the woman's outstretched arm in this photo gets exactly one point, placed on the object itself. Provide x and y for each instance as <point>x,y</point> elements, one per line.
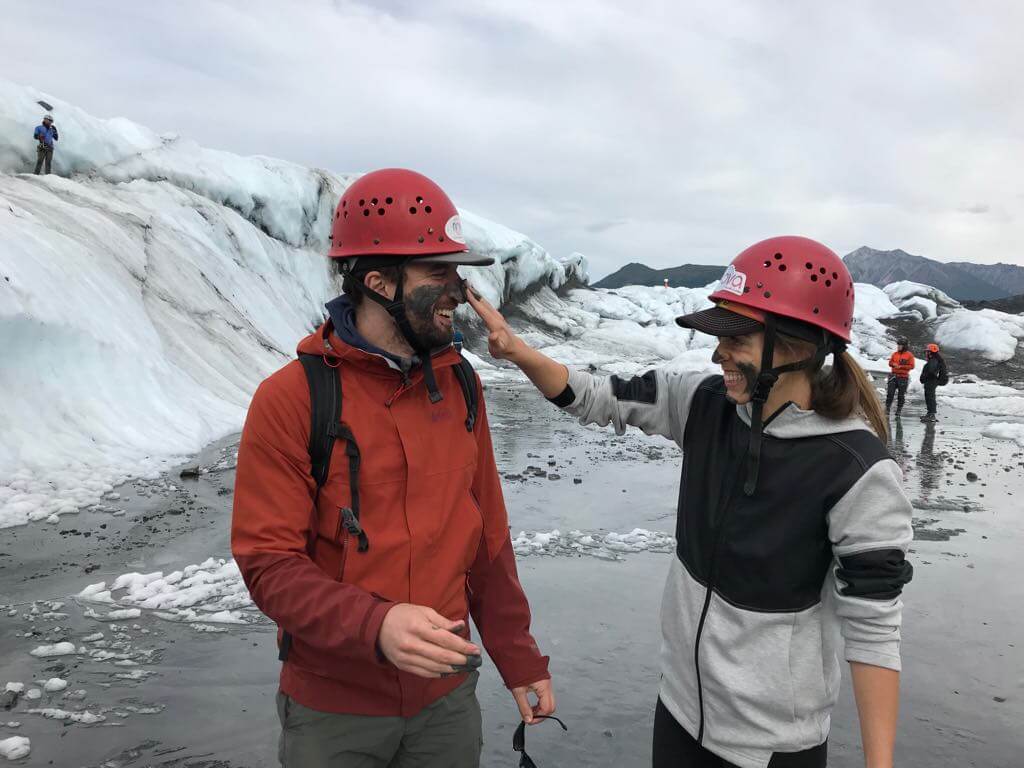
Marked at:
<point>656,401</point>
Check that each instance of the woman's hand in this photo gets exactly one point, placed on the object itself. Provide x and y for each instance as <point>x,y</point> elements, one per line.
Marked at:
<point>549,376</point>
<point>502,341</point>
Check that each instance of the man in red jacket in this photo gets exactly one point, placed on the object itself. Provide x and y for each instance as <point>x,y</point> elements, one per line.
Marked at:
<point>901,363</point>
<point>372,579</point>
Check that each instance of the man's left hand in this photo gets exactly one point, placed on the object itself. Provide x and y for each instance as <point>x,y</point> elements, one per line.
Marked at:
<point>545,693</point>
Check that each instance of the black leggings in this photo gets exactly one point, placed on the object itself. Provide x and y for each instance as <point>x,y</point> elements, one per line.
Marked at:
<point>675,748</point>
<point>929,396</point>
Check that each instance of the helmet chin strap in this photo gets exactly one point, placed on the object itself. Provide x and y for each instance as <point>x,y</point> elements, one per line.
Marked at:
<point>396,308</point>
<point>767,379</point>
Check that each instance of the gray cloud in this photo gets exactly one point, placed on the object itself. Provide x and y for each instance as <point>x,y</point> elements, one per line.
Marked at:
<point>652,133</point>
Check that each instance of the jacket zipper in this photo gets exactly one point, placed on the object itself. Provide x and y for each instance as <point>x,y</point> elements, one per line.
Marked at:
<point>342,534</point>
<point>723,513</point>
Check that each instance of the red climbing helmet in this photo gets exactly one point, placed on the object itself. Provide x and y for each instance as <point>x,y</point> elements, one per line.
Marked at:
<point>790,276</point>
<point>397,212</point>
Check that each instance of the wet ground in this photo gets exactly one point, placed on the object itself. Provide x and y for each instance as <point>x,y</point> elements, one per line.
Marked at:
<point>175,693</point>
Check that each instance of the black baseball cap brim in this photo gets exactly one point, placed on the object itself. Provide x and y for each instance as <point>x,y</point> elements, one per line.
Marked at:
<point>462,258</point>
<point>720,322</point>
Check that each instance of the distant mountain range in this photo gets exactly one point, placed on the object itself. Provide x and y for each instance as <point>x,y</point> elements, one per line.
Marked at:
<point>1012,304</point>
<point>961,280</point>
<point>686,276</point>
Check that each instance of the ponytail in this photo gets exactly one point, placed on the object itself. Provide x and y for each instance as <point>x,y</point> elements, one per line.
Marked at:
<point>844,389</point>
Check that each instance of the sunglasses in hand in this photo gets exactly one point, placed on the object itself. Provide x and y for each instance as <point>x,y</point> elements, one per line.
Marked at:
<point>519,740</point>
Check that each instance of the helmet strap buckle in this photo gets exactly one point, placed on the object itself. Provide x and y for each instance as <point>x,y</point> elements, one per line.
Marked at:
<point>763,387</point>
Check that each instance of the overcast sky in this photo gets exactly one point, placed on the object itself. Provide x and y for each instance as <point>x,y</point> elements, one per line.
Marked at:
<point>627,131</point>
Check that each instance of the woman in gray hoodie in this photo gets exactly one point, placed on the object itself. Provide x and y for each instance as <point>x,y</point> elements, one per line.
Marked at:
<point>792,526</point>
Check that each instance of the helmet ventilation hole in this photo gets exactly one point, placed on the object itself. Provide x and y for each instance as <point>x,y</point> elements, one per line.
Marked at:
<point>389,200</point>
<point>835,276</point>
<point>419,199</point>
<point>362,203</point>
<point>430,230</point>
<point>747,289</point>
<point>767,294</point>
<point>767,263</point>
<point>760,285</point>
<point>366,211</point>
<point>373,201</point>
<point>814,278</point>
<point>828,283</point>
<point>412,209</point>
<point>809,265</point>
<point>344,203</point>
<point>426,208</point>
<point>782,267</point>
<point>440,238</point>
<point>376,241</point>
<point>419,239</point>
<point>822,270</point>
<point>380,211</point>
<point>815,310</point>
<point>778,256</point>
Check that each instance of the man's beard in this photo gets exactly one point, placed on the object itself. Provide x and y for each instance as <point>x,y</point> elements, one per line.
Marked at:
<point>420,307</point>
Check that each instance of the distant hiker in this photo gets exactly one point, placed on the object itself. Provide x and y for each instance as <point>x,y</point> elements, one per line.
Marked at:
<point>371,562</point>
<point>793,524</point>
<point>46,135</point>
<point>901,363</point>
<point>933,375</point>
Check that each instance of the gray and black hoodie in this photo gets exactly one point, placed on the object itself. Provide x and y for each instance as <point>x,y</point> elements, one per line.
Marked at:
<point>766,591</point>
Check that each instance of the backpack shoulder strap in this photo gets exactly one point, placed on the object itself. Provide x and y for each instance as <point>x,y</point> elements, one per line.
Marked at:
<point>467,381</point>
<point>325,411</point>
<point>325,398</point>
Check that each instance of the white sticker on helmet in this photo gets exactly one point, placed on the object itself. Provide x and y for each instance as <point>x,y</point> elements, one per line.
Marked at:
<point>453,229</point>
<point>733,281</point>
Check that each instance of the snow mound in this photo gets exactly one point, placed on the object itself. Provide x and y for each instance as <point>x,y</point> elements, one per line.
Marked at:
<point>55,684</point>
<point>57,649</point>
<point>602,545</point>
<point>924,300</point>
<point>983,397</point>
<point>52,713</point>
<point>1002,430</point>
<point>991,333</point>
<point>211,592</point>
<point>15,747</point>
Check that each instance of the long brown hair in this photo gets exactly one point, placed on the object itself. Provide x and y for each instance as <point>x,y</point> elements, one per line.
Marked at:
<point>841,390</point>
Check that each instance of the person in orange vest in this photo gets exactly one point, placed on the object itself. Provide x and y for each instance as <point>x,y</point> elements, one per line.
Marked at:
<point>901,363</point>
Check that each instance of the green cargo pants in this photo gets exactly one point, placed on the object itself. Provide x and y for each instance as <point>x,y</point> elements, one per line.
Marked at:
<point>447,734</point>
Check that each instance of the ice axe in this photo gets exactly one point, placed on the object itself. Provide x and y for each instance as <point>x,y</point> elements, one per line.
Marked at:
<point>44,105</point>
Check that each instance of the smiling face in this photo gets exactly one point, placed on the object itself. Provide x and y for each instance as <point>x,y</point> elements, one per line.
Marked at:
<point>431,293</point>
<point>740,358</point>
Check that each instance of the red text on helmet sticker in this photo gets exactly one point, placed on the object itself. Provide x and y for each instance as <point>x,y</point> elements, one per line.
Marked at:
<point>453,229</point>
<point>733,281</point>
